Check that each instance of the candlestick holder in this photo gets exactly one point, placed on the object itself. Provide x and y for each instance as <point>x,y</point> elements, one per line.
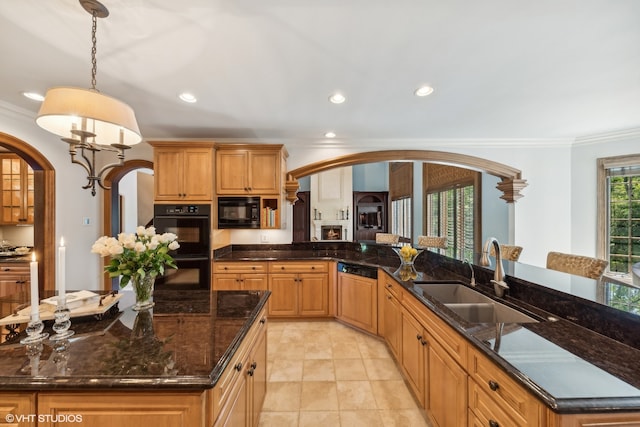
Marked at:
<point>34,330</point>
<point>62,322</point>
<point>61,356</point>
<point>34,351</point>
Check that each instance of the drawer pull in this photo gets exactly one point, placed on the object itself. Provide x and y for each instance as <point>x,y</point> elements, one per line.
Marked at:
<point>282,267</point>
<point>389,297</point>
<point>253,268</point>
<point>239,366</point>
<point>419,337</point>
<point>493,423</point>
<point>313,267</point>
<point>263,321</point>
<point>250,372</point>
<point>254,365</point>
<point>493,385</point>
<point>424,342</point>
<point>225,267</point>
<point>389,285</point>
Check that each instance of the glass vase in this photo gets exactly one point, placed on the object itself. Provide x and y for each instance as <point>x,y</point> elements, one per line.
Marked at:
<point>143,289</point>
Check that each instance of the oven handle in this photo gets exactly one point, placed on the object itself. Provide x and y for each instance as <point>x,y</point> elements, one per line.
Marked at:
<point>180,217</point>
<point>199,258</point>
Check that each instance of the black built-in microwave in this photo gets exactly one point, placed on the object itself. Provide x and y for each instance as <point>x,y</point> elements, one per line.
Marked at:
<point>238,212</point>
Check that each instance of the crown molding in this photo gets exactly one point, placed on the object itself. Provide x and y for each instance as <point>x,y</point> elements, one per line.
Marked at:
<point>619,135</point>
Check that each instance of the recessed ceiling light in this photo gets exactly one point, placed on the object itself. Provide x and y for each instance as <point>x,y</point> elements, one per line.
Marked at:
<point>188,97</point>
<point>424,91</point>
<point>337,98</point>
<point>330,135</point>
<point>34,95</point>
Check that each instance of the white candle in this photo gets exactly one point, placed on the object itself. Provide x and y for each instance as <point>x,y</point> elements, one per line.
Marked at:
<point>35,299</point>
<point>62,286</point>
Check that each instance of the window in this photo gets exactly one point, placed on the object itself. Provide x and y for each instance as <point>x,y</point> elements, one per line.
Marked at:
<point>452,208</point>
<point>619,212</point>
<point>451,213</point>
<point>401,217</point>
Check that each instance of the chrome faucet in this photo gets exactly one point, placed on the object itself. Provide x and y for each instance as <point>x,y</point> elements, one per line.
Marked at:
<point>472,282</point>
<point>499,285</point>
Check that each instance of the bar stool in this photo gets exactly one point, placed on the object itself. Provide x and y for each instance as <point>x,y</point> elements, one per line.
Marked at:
<point>580,265</point>
<point>508,252</point>
<point>387,238</point>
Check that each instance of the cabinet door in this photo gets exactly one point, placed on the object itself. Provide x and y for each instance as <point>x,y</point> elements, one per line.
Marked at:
<point>17,404</point>
<point>264,172</point>
<point>445,388</point>
<point>198,174</point>
<point>284,295</point>
<point>17,191</point>
<point>231,171</point>
<point>357,302</point>
<point>169,173</point>
<point>257,390</point>
<point>413,354</point>
<point>252,282</point>
<point>392,323</point>
<point>313,294</point>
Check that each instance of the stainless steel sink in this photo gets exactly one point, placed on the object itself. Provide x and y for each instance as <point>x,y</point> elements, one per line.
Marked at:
<point>471,305</point>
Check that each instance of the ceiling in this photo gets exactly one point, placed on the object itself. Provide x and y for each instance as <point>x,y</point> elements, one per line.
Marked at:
<point>263,70</point>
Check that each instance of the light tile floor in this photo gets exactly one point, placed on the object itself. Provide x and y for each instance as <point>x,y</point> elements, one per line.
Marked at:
<point>327,374</point>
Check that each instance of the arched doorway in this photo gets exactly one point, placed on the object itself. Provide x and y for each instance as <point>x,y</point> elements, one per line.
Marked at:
<point>45,202</point>
<point>111,201</point>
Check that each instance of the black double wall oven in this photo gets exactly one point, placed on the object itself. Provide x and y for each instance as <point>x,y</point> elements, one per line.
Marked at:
<point>192,225</point>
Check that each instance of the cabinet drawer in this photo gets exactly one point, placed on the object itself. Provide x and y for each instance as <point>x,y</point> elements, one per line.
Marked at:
<point>240,267</point>
<point>486,411</point>
<point>448,338</point>
<point>391,285</point>
<point>488,381</point>
<point>14,270</point>
<point>299,267</point>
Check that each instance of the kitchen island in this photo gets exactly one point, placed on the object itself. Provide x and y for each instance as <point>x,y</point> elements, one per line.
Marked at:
<point>574,364</point>
<point>198,358</point>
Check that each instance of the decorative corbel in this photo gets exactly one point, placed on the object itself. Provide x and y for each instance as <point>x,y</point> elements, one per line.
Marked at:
<point>291,187</point>
<point>511,188</point>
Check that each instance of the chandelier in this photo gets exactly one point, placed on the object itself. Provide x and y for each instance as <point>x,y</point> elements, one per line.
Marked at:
<point>89,121</point>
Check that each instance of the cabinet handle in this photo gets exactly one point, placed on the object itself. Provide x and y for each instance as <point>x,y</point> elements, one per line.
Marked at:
<point>7,269</point>
<point>225,267</point>
<point>389,285</point>
<point>250,372</point>
<point>419,337</point>
<point>389,297</point>
<point>239,366</point>
<point>493,423</point>
<point>254,365</point>
<point>282,267</point>
<point>313,267</point>
<point>424,342</point>
<point>263,321</point>
<point>253,268</point>
<point>493,385</point>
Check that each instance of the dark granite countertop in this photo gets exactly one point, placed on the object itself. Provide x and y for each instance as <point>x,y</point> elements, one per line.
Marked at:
<point>567,363</point>
<point>184,342</point>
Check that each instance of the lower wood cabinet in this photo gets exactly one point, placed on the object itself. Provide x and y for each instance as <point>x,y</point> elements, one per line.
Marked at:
<point>358,301</point>
<point>299,289</point>
<point>239,395</point>
<point>445,388</point>
<point>16,408</point>
<point>107,409</point>
<point>392,323</point>
<point>413,357</point>
<point>14,278</point>
<point>239,276</point>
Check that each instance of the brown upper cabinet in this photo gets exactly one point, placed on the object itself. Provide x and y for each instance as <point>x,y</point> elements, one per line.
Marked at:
<point>250,169</point>
<point>17,190</point>
<point>183,171</point>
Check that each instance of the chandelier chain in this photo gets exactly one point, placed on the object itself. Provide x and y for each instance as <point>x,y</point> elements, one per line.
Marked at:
<point>94,62</point>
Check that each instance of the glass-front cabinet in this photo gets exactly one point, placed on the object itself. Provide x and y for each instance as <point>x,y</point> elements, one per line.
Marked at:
<point>17,190</point>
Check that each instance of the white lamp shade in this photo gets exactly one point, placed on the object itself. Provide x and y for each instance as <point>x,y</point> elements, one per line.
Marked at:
<point>112,121</point>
